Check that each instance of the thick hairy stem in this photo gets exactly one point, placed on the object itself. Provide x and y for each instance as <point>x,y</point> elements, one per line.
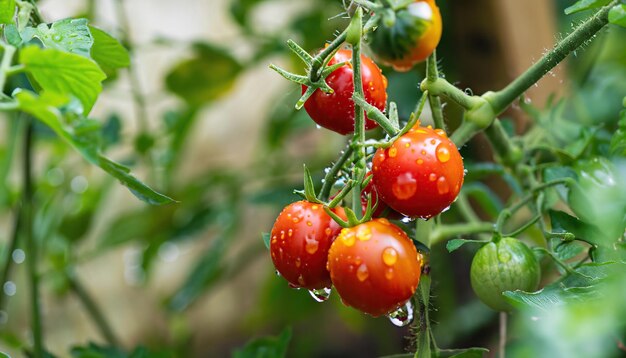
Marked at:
<point>432,74</point>
<point>359,118</point>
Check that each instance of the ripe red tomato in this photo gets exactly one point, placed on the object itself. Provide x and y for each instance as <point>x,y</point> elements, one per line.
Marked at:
<point>411,39</point>
<point>382,208</point>
<point>374,267</point>
<point>335,111</point>
<point>420,174</point>
<point>299,244</point>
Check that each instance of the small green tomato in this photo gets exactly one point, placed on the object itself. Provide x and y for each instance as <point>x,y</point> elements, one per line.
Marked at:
<point>505,265</point>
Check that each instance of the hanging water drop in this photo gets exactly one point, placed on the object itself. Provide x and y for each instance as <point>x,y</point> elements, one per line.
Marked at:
<point>320,295</point>
<point>403,315</point>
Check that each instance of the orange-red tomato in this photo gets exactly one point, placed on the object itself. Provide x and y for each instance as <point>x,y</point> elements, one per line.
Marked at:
<point>374,267</point>
<point>411,39</point>
<point>420,174</point>
<point>299,243</point>
<point>335,111</point>
<point>382,209</point>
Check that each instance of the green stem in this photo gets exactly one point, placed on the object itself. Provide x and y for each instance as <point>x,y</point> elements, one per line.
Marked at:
<point>359,118</point>
<point>5,65</point>
<point>423,230</point>
<point>503,98</point>
<point>329,179</point>
<point>93,310</point>
<point>506,213</point>
<point>319,59</point>
<point>444,232</point>
<point>523,227</point>
<point>432,74</point>
<point>31,245</point>
<point>502,338</point>
<point>508,153</point>
<point>441,87</point>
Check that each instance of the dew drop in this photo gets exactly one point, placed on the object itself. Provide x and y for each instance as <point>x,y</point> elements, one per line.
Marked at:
<point>9,288</point>
<point>296,220</point>
<point>407,145</point>
<point>433,142</point>
<point>314,207</point>
<point>363,233</point>
<point>320,295</point>
<point>432,177</point>
<point>390,256</point>
<point>308,223</point>
<point>311,245</point>
<point>347,237</point>
<point>392,152</point>
<point>443,187</point>
<point>420,161</point>
<point>443,154</point>
<point>298,262</point>
<point>441,133</point>
<point>362,273</point>
<point>282,234</point>
<point>402,316</point>
<point>423,152</point>
<point>277,273</point>
<point>404,187</point>
<point>389,273</point>
<point>383,221</point>
<point>18,256</point>
<point>301,280</point>
<point>57,38</point>
<point>328,231</point>
<point>290,232</point>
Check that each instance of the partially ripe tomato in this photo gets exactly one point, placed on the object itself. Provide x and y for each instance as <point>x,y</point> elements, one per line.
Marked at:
<point>506,265</point>
<point>335,111</point>
<point>299,243</point>
<point>411,39</point>
<point>382,210</point>
<point>420,174</point>
<point>374,267</point>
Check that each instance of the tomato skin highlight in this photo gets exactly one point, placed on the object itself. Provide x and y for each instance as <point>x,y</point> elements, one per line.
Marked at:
<point>335,111</point>
<point>506,265</point>
<point>420,174</point>
<point>374,267</point>
<point>299,244</point>
<point>413,37</point>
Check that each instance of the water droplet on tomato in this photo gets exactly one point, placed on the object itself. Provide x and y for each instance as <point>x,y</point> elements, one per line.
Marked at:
<point>362,273</point>
<point>301,280</point>
<point>296,220</point>
<point>347,237</point>
<point>320,295</point>
<point>298,262</point>
<point>404,187</point>
<point>443,154</point>
<point>328,231</point>
<point>403,315</point>
<point>308,223</point>
<point>441,133</point>
<point>389,273</point>
<point>311,245</point>
<point>443,187</point>
<point>290,233</point>
<point>277,273</point>
<point>383,221</point>
<point>390,256</point>
<point>363,233</point>
<point>392,152</point>
<point>420,161</point>
<point>432,177</point>
<point>433,142</point>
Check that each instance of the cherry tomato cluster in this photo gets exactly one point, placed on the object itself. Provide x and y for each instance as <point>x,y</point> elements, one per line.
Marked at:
<point>374,266</point>
<point>372,263</point>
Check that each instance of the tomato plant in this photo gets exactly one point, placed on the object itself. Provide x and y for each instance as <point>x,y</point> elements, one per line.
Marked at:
<point>299,244</point>
<point>335,110</point>
<point>420,174</point>
<point>374,267</point>
<point>413,35</point>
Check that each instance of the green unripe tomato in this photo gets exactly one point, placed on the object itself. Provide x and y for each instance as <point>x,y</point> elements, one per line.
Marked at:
<point>506,265</point>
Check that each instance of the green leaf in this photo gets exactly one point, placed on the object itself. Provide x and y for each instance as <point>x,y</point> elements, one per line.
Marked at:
<point>583,5</point>
<point>208,76</point>
<point>45,109</point>
<point>12,35</point>
<point>266,239</point>
<point>266,347</point>
<point>95,351</point>
<point>617,15</point>
<point>309,187</point>
<point>108,52</point>
<point>64,73</point>
<point>474,352</point>
<point>455,244</point>
<point>4,355</point>
<point>7,10</point>
<point>69,35</point>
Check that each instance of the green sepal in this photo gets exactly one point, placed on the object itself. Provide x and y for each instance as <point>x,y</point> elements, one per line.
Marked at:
<point>341,222</point>
<point>309,187</point>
